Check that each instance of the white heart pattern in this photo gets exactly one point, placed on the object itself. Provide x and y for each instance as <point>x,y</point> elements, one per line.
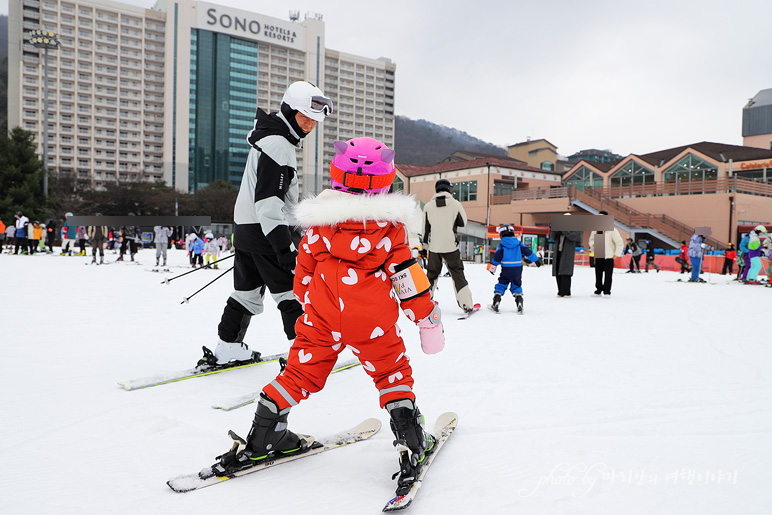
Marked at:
<point>409,313</point>
<point>305,320</point>
<point>355,243</point>
<point>401,355</point>
<point>385,243</point>
<point>395,377</point>
<point>399,331</point>
<point>306,300</point>
<point>336,337</point>
<point>326,242</point>
<point>376,333</point>
<point>336,347</point>
<point>381,274</point>
<point>351,279</point>
<point>340,301</point>
<point>303,357</point>
<point>304,391</point>
<point>305,247</point>
<point>354,350</point>
<point>381,224</point>
<point>392,268</point>
<point>306,280</point>
<point>368,366</point>
<point>312,238</point>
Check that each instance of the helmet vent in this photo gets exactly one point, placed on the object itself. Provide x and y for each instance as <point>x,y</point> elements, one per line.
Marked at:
<point>354,160</point>
<point>368,162</point>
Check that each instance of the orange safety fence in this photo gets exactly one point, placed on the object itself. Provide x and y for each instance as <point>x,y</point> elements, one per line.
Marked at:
<point>712,264</point>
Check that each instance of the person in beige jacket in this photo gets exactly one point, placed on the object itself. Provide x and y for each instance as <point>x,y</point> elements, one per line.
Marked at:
<point>604,257</point>
<point>442,216</point>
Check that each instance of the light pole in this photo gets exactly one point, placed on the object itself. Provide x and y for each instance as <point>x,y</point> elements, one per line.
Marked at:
<point>45,39</point>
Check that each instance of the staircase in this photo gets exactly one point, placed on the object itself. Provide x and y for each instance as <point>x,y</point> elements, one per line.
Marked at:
<point>662,226</point>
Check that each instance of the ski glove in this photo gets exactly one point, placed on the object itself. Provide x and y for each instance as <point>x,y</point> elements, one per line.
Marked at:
<point>287,259</point>
<point>432,332</point>
<point>492,268</point>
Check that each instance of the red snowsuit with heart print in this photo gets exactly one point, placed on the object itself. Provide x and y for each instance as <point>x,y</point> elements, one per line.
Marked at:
<point>350,249</point>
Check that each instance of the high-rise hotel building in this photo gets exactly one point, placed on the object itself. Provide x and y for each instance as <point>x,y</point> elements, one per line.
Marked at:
<point>170,93</point>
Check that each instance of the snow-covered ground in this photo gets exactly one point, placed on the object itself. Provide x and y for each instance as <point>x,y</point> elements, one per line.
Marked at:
<point>653,401</point>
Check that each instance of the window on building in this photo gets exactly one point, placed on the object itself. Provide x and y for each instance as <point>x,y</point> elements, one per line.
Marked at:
<point>547,165</point>
<point>632,174</point>
<point>465,191</point>
<point>584,178</point>
<point>690,169</point>
<point>501,188</point>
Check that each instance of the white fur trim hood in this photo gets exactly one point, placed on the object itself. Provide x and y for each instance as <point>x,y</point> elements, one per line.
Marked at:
<point>332,207</point>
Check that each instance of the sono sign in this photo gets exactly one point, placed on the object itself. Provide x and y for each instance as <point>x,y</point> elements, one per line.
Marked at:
<point>249,25</point>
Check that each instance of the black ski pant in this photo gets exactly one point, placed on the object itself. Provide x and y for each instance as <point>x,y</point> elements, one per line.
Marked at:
<point>564,284</point>
<point>635,261</point>
<point>252,274</point>
<point>21,243</point>
<point>604,271</point>
<point>82,245</point>
<point>456,269</point>
<point>728,266</point>
<point>97,245</point>
<point>131,244</point>
<point>650,262</point>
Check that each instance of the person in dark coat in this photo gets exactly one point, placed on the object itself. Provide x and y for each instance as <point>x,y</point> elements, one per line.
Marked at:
<point>50,235</point>
<point>564,243</point>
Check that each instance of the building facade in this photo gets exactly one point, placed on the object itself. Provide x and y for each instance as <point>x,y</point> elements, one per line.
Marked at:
<point>170,93</point>
<point>757,120</point>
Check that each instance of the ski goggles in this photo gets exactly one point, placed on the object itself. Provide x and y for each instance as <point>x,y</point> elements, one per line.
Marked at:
<point>321,104</point>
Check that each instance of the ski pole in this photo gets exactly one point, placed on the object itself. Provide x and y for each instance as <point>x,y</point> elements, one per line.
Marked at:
<point>167,281</point>
<point>187,299</point>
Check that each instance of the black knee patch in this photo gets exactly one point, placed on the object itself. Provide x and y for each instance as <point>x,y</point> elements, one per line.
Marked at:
<point>234,322</point>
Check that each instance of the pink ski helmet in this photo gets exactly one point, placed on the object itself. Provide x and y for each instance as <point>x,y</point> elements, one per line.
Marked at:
<point>362,165</point>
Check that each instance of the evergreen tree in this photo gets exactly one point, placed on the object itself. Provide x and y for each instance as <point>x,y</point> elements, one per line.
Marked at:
<point>21,177</point>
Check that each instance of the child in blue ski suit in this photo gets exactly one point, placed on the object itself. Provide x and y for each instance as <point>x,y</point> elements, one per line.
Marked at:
<point>509,255</point>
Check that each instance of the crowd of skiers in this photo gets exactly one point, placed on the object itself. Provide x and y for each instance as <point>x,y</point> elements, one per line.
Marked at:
<point>27,237</point>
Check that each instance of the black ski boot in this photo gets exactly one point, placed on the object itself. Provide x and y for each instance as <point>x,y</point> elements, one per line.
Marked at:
<point>269,438</point>
<point>519,302</point>
<point>412,442</point>
<point>496,302</point>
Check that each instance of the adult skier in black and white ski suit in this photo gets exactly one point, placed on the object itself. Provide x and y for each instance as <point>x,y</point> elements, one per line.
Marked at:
<point>265,244</point>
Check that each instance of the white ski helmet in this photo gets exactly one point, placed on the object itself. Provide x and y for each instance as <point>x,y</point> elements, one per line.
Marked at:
<point>760,228</point>
<point>306,98</point>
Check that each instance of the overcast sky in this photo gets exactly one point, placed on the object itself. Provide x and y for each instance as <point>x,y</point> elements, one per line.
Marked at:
<point>632,77</point>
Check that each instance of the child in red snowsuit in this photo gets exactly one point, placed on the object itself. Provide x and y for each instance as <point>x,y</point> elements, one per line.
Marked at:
<point>354,271</point>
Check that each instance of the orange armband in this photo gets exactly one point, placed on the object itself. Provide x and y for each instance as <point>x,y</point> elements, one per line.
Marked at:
<point>409,280</point>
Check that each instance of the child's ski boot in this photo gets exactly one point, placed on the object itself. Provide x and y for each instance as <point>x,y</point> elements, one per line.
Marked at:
<point>496,302</point>
<point>519,302</point>
<point>412,442</point>
<point>268,438</point>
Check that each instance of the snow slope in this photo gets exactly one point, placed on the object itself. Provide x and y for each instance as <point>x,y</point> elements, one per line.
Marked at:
<point>654,401</point>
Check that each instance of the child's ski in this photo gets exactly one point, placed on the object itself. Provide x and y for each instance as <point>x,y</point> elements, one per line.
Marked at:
<point>444,427</point>
<point>243,400</point>
<point>471,312</point>
<point>363,431</point>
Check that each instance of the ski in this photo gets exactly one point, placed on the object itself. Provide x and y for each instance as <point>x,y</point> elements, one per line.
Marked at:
<point>198,480</point>
<point>471,312</point>
<point>490,306</point>
<point>243,400</point>
<point>444,427</point>
<point>171,377</point>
